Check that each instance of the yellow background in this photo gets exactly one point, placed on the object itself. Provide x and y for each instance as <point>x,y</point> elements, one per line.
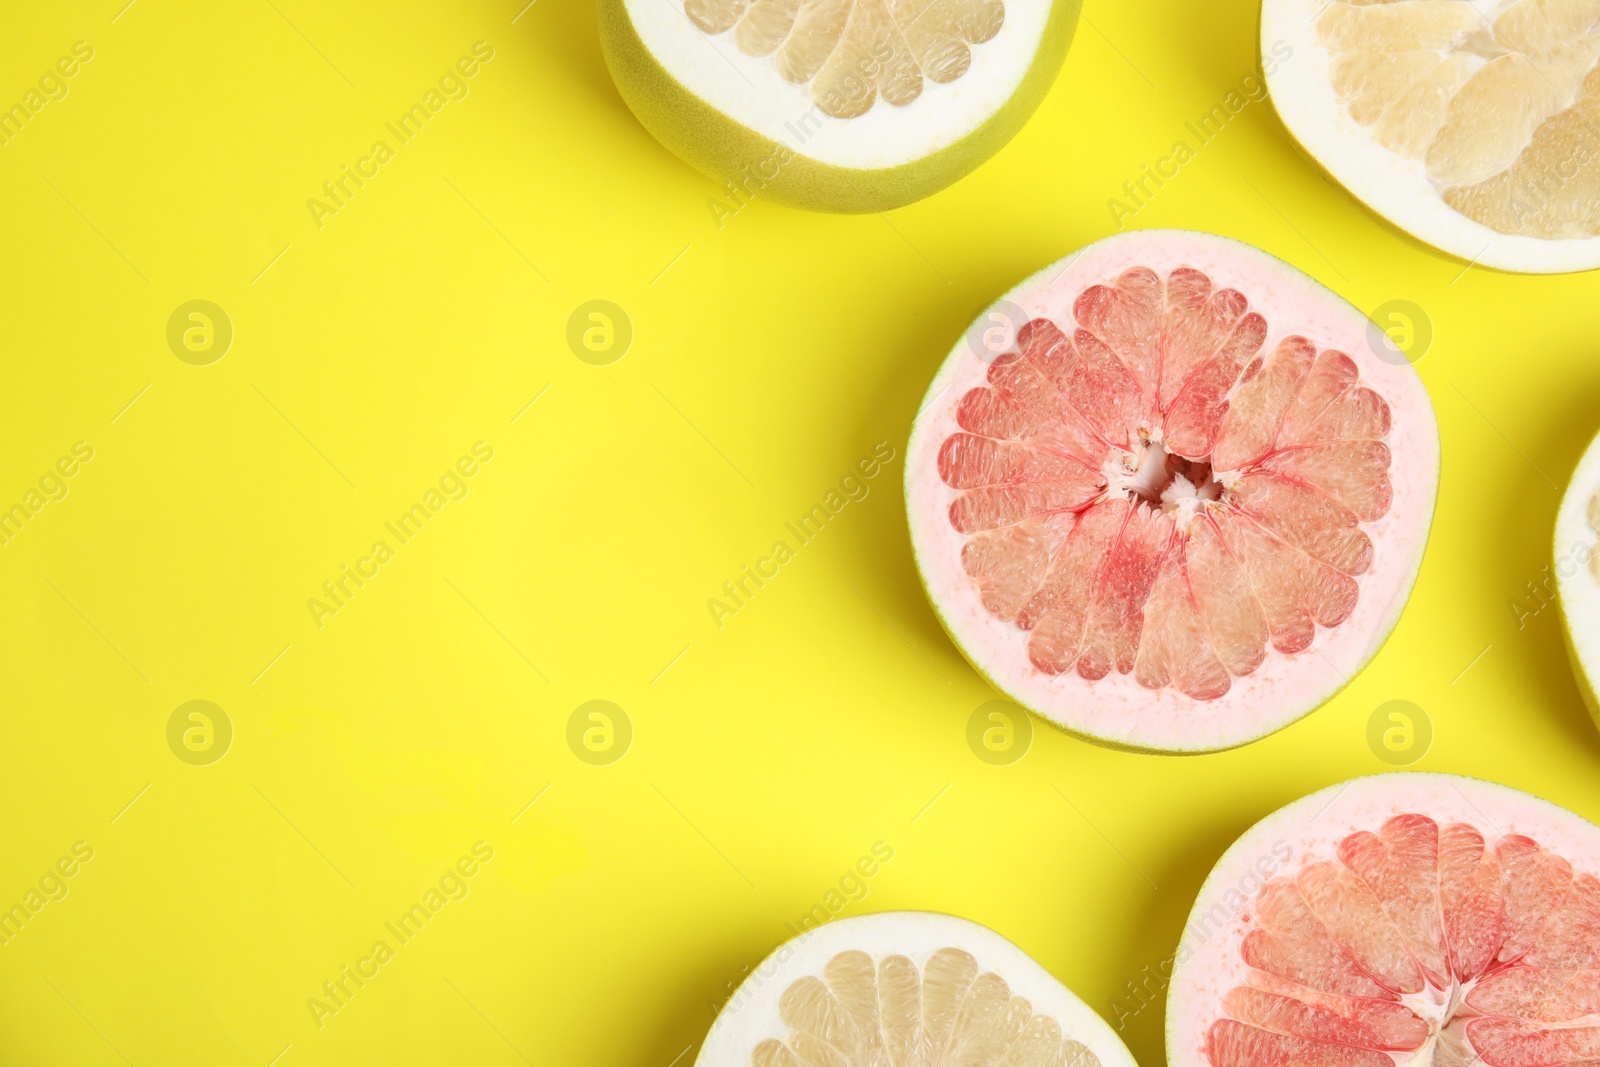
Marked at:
<point>768,356</point>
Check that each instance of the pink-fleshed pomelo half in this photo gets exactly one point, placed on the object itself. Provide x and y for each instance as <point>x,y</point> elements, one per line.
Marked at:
<point>1395,920</point>
<point>1170,492</point>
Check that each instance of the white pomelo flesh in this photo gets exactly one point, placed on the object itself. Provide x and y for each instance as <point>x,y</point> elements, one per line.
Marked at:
<point>1472,124</point>
<point>1186,506</point>
<point>1402,919</point>
<point>1577,570</point>
<point>844,71</point>
<point>838,105</point>
<point>906,989</point>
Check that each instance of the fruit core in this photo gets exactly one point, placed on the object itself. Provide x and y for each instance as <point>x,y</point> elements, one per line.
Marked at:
<point>1164,480</point>
<point>1503,114</point>
<point>1419,944</point>
<point>1149,490</point>
<point>852,52</point>
<point>866,1013</point>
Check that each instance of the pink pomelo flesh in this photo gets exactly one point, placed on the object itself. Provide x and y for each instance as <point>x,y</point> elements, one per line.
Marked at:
<point>1186,476</point>
<point>1135,520</point>
<point>1420,918</point>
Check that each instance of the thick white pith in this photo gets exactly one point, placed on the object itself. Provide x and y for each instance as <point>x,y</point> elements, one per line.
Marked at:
<point>1208,962</point>
<point>1575,564</point>
<point>1116,708</point>
<point>1395,187</point>
<point>752,1015</point>
<point>750,90</point>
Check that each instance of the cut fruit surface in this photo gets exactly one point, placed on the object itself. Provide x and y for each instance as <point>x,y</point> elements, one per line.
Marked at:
<point>853,53</point>
<point>1185,505</point>
<point>1398,919</point>
<point>838,105</point>
<point>1473,124</point>
<point>1577,575</point>
<point>906,989</point>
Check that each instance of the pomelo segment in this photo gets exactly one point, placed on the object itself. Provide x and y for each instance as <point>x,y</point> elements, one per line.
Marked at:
<point>1473,124</point>
<point>906,989</point>
<point>1398,919</point>
<point>852,54</point>
<point>834,105</point>
<point>1576,565</point>
<point>1185,506</point>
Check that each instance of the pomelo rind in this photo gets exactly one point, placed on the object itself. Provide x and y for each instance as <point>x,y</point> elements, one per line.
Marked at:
<point>1392,190</point>
<point>748,1015</point>
<point>1422,487</point>
<point>721,147</point>
<point>1442,797</point>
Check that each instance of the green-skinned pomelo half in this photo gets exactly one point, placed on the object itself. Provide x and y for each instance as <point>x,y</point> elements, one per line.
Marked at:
<point>1577,571</point>
<point>834,105</point>
<point>906,989</point>
<point>1170,493</point>
<point>1400,920</point>
<point>1470,124</point>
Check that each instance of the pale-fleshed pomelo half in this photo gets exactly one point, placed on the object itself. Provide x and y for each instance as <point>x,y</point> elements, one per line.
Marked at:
<point>1419,919</point>
<point>834,105</point>
<point>1472,124</point>
<point>1171,493</point>
<point>1576,564</point>
<point>906,989</point>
